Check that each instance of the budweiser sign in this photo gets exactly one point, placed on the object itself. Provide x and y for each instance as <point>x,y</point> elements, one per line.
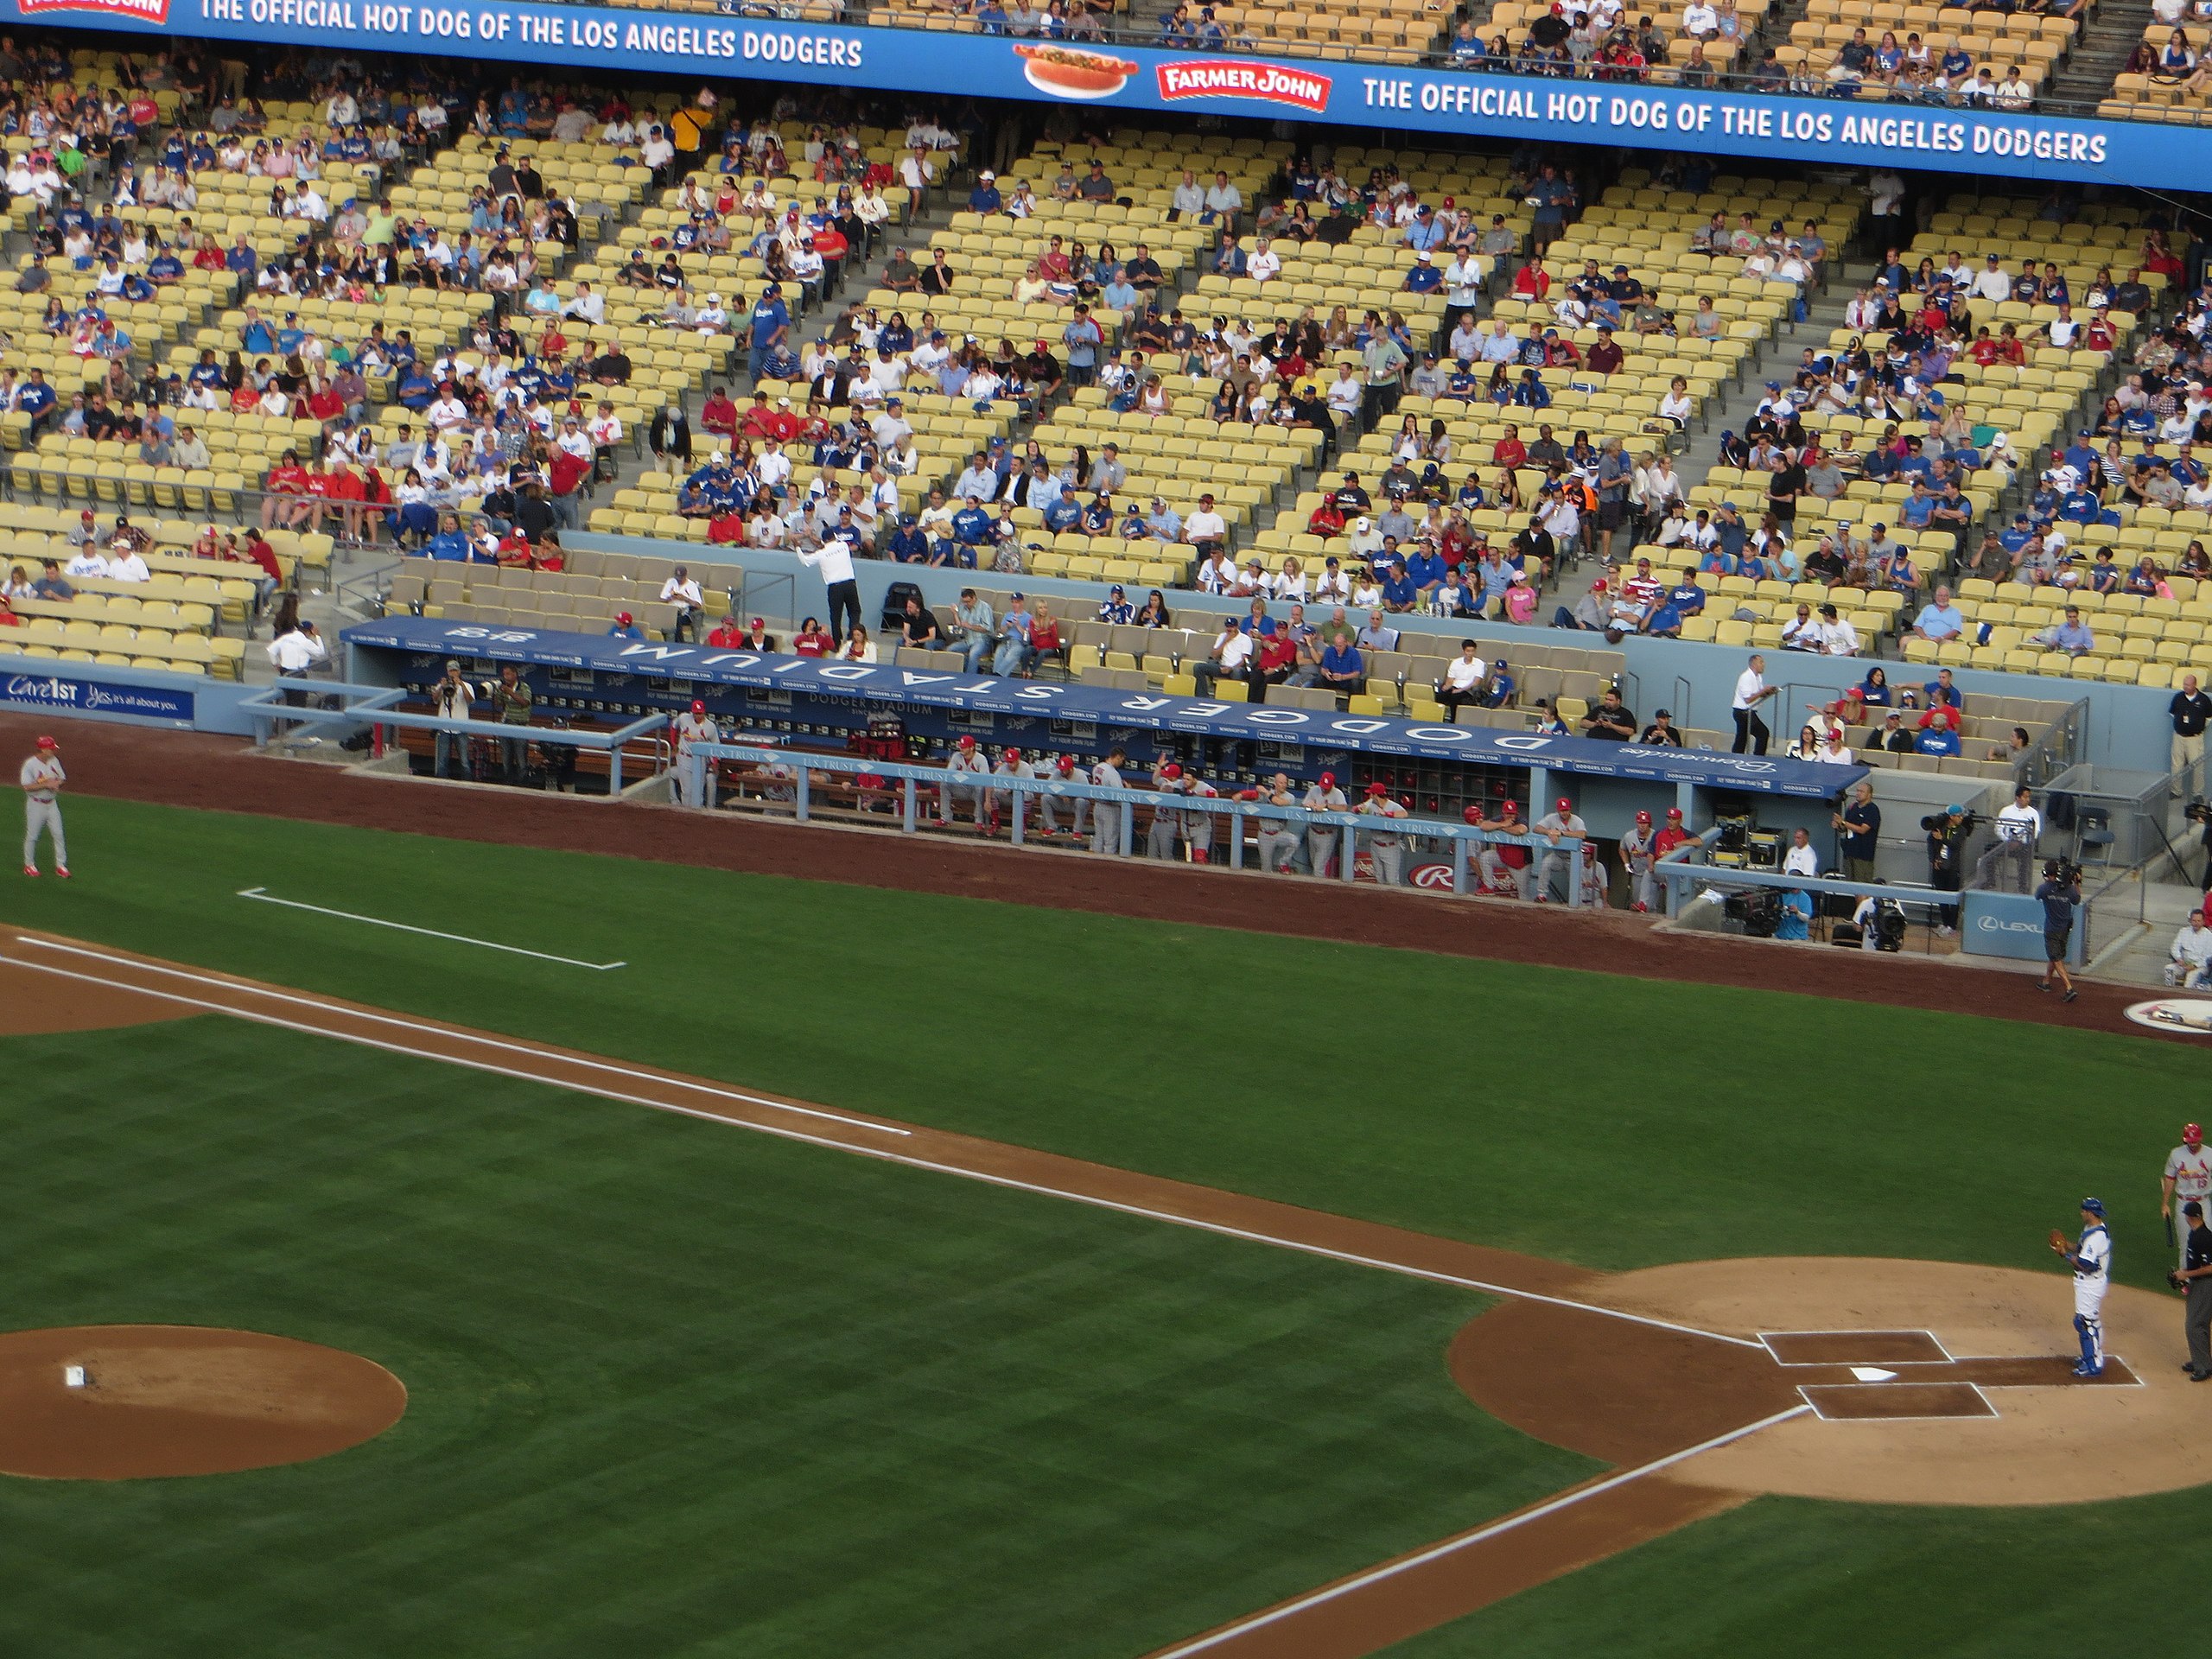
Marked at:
<point>1226,77</point>
<point>146,11</point>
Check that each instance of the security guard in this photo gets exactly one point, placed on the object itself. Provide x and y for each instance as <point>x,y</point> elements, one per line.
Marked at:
<point>2195,1280</point>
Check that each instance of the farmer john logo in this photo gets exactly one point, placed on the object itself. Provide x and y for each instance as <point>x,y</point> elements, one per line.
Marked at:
<point>1262,82</point>
<point>146,11</point>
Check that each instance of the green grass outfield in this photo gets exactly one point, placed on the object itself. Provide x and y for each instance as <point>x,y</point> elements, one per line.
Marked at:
<point>682,1388</point>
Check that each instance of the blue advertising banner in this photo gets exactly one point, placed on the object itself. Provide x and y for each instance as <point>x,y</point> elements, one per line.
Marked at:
<point>66,693</point>
<point>1135,79</point>
<point>2009,924</point>
<point>855,682</point>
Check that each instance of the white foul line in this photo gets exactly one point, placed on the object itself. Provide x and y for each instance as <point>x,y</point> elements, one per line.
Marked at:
<point>1197,1224</point>
<point>1467,1539</point>
<point>265,897</point>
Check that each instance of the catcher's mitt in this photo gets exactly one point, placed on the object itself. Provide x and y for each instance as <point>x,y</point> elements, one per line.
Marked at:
<point>2058,1240</point>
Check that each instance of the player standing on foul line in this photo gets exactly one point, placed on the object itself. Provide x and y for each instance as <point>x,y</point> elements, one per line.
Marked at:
<point>41,777</point>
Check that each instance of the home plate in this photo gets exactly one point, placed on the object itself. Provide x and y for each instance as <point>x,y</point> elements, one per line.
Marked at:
<point>1871,1374</point>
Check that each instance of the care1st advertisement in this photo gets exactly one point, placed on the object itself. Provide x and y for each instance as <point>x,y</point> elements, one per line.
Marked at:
<point>1137,79</point>
<point>68,694</point>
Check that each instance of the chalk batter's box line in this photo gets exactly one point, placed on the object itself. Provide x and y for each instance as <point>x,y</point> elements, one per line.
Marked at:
<point>1948,1358</point>
<point>1988,1413</point>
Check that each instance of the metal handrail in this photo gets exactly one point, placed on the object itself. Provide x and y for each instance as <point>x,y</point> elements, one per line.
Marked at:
<point>702,784</point>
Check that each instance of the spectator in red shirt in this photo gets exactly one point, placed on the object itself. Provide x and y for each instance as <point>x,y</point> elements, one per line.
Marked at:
<point>727,528</point>
<point>1510,451</point>
<point>727,637</point>
<point>285,506</point>
<point>720,415</point>
<point>812,641</point>
<point>342,494</point>
<point>759,419</point>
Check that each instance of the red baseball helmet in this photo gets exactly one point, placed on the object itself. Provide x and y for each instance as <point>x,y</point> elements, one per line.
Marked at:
<point>2192,1132</point>
<point>1171,771</point>
<point>1328,780</point>
<point>1472,815</point>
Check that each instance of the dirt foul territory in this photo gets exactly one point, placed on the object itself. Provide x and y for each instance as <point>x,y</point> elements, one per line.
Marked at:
<point>181,769</point>
<point>1702,1383</point>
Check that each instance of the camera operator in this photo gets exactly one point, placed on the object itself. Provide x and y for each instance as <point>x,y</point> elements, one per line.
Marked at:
<point>2058,895</point>
<point>1946,840</point>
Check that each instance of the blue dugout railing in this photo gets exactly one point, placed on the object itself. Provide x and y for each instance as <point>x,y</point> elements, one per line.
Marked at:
<point>1353,830</point>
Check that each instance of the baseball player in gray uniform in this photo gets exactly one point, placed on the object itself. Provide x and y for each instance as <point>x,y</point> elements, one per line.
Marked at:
<point>1278,837</point>
<point>1106,815</point>
<point>1385,847</point>
<point>2189,1175</point>
<point>1198,826</point>
<point>1323,841</point>
<point>693,727</point>
<point>1639,855</point>
<point>1049,805</point>
<point>1167,820</point>
<point>41,777</point>
<point>965,769</point>
<point>1561,821</point>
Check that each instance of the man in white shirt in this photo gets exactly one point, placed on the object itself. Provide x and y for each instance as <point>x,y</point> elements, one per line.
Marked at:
<point>1463,289</point>
<point>2191,966</point>
<point>1224,201</point>
<point>833,559</point>
<point>88,561</point>
<point>1699,21</point>
<point>1346,395</point>
<point>1463,678</point>
<point>1207,530</point>
<point>586,306</point>
<point>1264,264</point>
<point>1838,637</point>
<point>1751,691</point>
<point>1991,283</point>
<point>2019,826</point>
<point>682,590</point>
<point>1801,859</point>
<point>1561,821</point>
<point>125,565</point>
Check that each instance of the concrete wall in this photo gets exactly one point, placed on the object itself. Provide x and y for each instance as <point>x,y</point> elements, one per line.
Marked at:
<point>2127,724</point>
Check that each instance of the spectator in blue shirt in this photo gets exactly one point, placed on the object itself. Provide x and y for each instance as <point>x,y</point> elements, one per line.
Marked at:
<point>626,627</point>
<point>451,543</point>
<point>1939,619</point>
<point>971,525</point>
<point>1424,277</point>
<point>2072,636</point>
<point>1065,514</point>
<point>1399,593</point>
<point>1343,670</point>
<point>1917,506</point>
<point>985,198</point>
<point>2080,506</point>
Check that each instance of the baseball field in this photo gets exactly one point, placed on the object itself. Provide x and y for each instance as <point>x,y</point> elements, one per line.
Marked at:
<point>777,1266</point>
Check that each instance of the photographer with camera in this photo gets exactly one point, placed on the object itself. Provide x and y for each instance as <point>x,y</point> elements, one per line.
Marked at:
<point>1946,840</point>
<point>2059,894</point>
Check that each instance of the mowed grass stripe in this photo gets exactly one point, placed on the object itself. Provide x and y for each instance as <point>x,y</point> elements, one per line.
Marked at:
<point>677,1388</point>
<point>1610,1121</point>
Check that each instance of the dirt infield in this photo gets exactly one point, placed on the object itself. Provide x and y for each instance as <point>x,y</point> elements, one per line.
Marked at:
<point>168,1399</point>
<point>31,1004</point>
<point>182,769</point>
<point>1667,1373</point>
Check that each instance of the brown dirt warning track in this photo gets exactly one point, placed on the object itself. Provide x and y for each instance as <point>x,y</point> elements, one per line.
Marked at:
<point>182,769</point>
<point>1704,1383</point>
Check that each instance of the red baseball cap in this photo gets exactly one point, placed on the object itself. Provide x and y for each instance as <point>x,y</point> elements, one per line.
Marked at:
<point>1643,817</point>
<point>966,742</point>
<point>1171,770</point>
<point>1378,789</point>
<point>47,743</point>
<point>1472,815</point>
<point>2192,1132</point>
<point>759,622</point>
<point>1673,811</point>
<point>1067,763</point>
<point>1328,780</point>
<point>622,616</point>
<point>697,706</point>
<point>1013,754</point>
<point>1566,805</point>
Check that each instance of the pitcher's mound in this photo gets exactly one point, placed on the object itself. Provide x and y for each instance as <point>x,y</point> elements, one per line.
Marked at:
<point>180,1399</point>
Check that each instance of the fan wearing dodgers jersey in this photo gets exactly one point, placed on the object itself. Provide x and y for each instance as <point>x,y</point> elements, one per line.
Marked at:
<point>2090,1257</point>
<point>2189,1175</point>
